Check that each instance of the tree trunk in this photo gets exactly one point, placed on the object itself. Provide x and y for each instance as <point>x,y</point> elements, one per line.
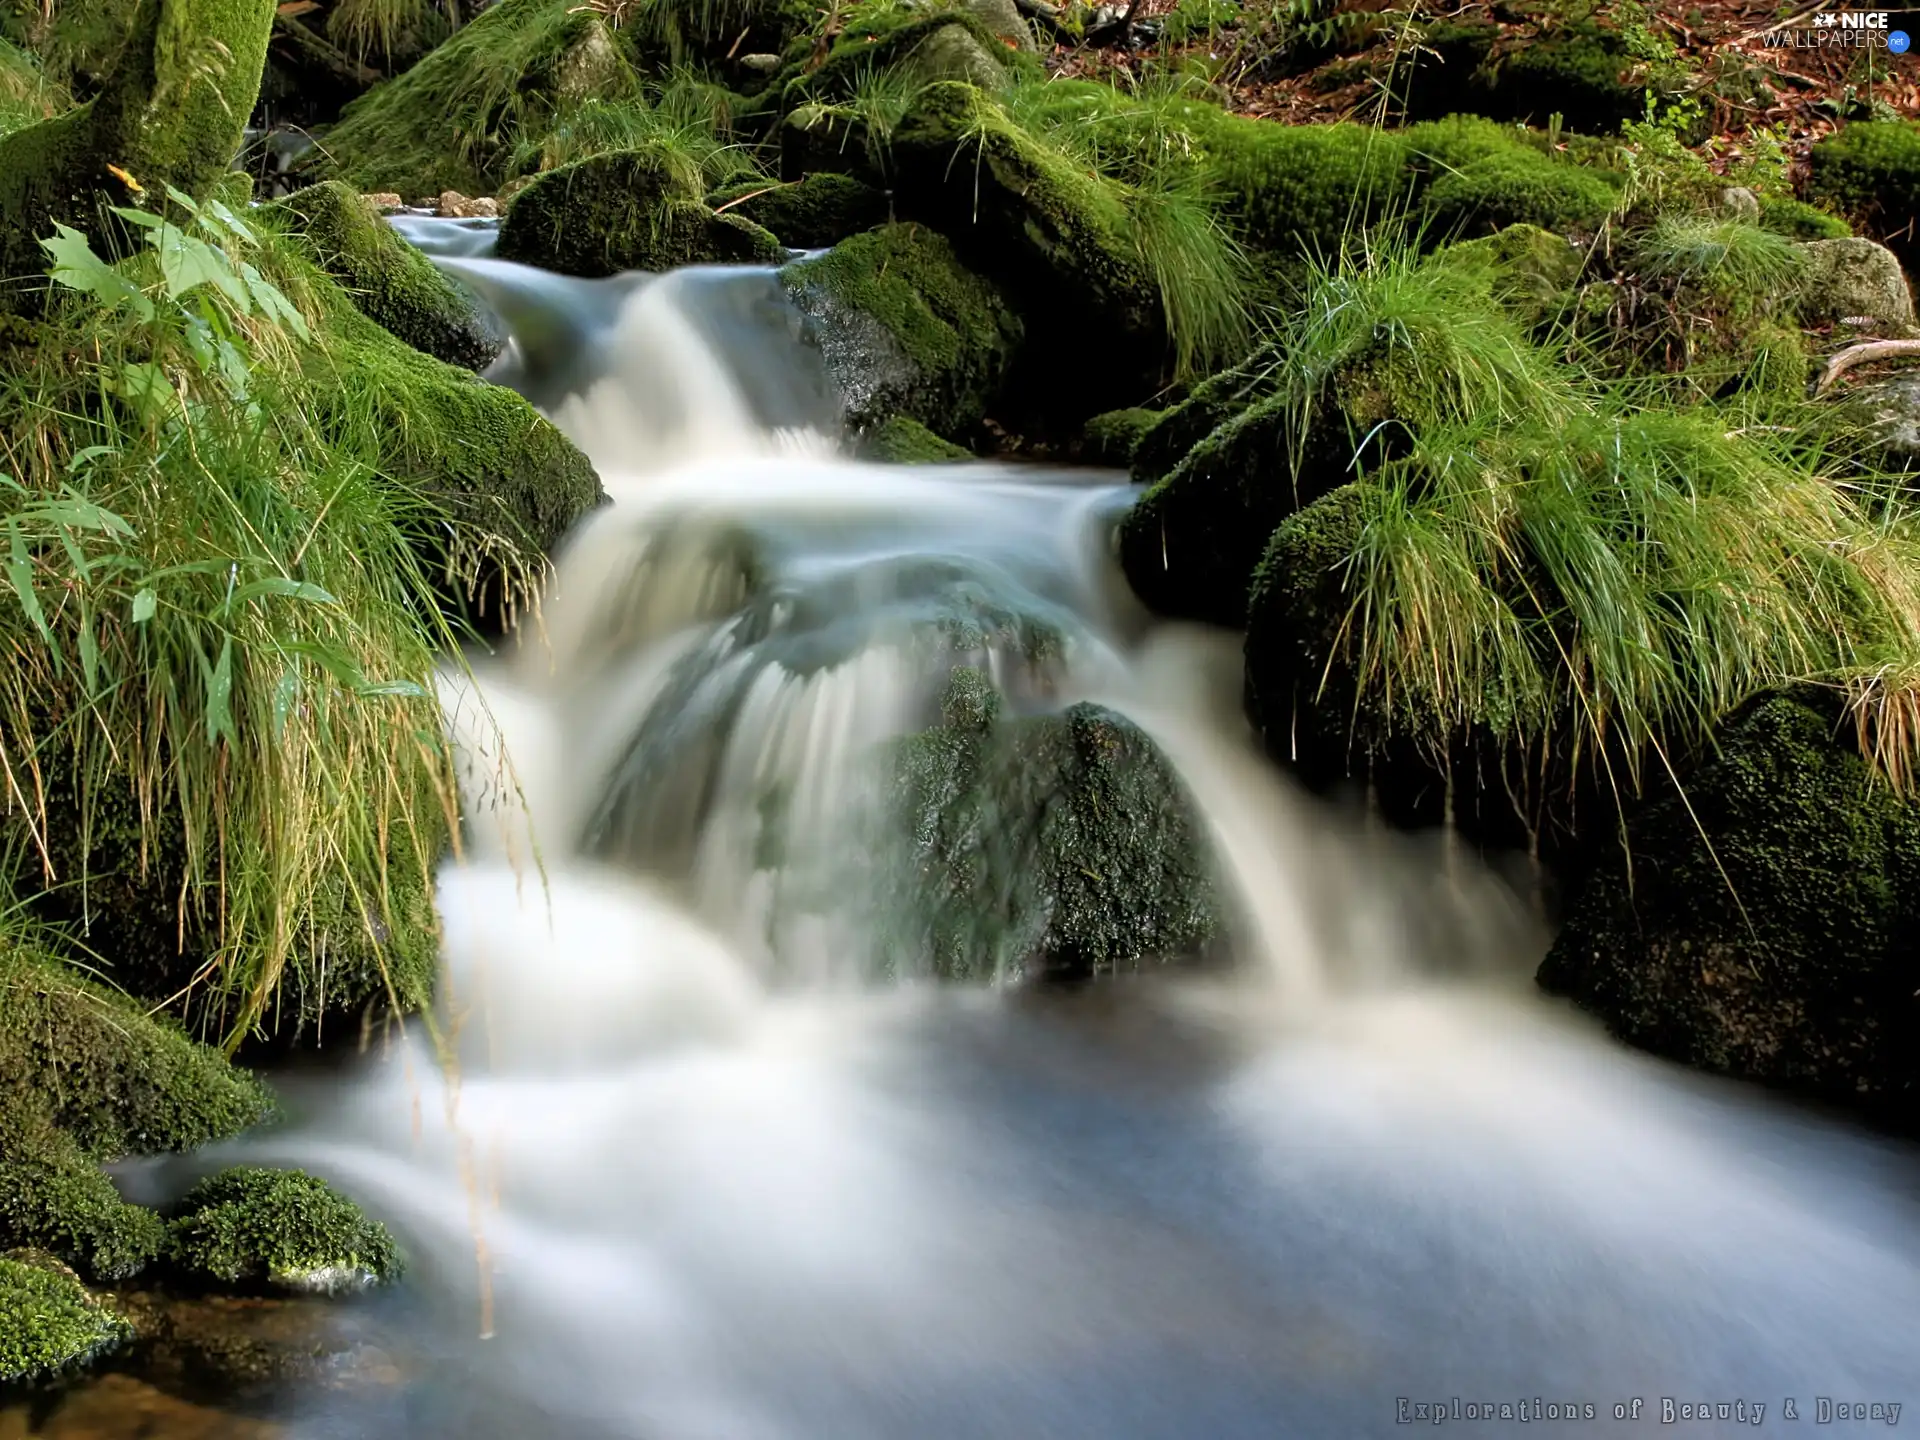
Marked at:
<point>172,113</point>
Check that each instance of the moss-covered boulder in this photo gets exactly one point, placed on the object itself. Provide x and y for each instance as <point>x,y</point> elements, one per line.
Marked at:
<point>1535,273</point>
<point>1519,187</point>
<point>1855,281</point>
<point>1056,237</point>
<point>1112,437</point>
<point>1765,923</point>
<point>1303,188</point>
<point>87,1075</point>
<point>279,1229</point>
<point>1870,172</point>
<point>49,1323</point>
<point>640,209</point>
<point>1060,846</point>
<point>453,120</point>
<point>808,214</point>
<point>906,329</point>
<point>392,282</point>
<point>1797,220</point>
<point>900,440</point>
<point>170,113</point>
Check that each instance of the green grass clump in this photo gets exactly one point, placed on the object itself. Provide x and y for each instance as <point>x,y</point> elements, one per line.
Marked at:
<point>1598,591</point>
<point>1738,264</point>
<point>684,114</point>
<point>223,630</point>
<point>27,95</point>
<point>49,1323</point>
<point>455,120</point>
<point>279,1228</point>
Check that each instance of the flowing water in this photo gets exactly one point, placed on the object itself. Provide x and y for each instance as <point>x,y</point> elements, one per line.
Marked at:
<point>683,1167</point>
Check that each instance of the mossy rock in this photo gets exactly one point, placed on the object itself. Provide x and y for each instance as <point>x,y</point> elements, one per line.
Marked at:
<point>49,1323</point>
<point>907,329</point>
<point>1059,846</point>
<point>87,1075</point>
<point>281,1230</point>
<point>1767,923</point>
<point>899,440</point>
<point>1208,406</point>
<point>451,122</point>
<point>393,283</point>
<point>810,214</point>
<point>1535,272</point>
<point>1519,187</point>
<point>1111,438</point>
<point>1870,172</point>
<point>1797,220</point>
<point>1058,239</point>
<point>1855,280</point>
<point>918,44</point>
<point>639,209</point>
<point>1305,188</point>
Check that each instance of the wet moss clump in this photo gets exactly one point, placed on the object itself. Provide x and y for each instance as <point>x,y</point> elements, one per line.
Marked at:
<point>1305,188</point>
<point>907,329</point>
<point>394,284</point>
<point>1535,273</point>
<point>809,214</point>
<point>49,1323</point>
<point>1111,438</point>
<point>279,1229</point>
<point>899,440</point>
<point>1870,171</point>
<point>1061,846</point>
<point>1764,924</point>
<point>639,209</point>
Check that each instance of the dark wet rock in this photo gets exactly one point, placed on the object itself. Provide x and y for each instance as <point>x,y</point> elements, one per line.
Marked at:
<point>906,329</point>
<point>237,1344</point>
<point>808,214</point>
<point>1767,923</point>
<point>1061,846</point>
<point>1111,438</point>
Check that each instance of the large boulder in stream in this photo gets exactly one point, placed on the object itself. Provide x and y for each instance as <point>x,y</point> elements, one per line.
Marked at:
<point>1060,846</point>
<point>639,209</point>
<point>1764,920</point>
<point>907,329</point>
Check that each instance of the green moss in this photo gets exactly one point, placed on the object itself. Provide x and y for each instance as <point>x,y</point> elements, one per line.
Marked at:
<point>78,41</point>
<point>1212,403</point>
<point>1059,845</point>
<point>906,328</point>
<point>1798,220</point>
<point>949,44</point>
<point>1535,273</point>
<point>1308,187</point>
<point>810,214</point>
<point>1519,187</point>
<point>1111,438</point>
<point>172,114</point>
<point>1058,237</point>
<point>394,285</point>
<point>899,440</point>
<point>1765,924</point>
<point>453,121</point>
<point>637,209</point>
<point>115,1079</point>
<point>279,1228</point>
<point>1582,71</point>
<point>49,1323</point>
<point>1870,172</point>
<point>87,1075</point>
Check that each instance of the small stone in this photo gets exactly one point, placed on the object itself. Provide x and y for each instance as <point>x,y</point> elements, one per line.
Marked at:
<point>384,200</point>
<point>1740,202</point>
<point>760,64</point>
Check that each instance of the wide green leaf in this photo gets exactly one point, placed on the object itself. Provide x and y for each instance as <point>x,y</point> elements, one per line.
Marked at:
<point>78,268</point>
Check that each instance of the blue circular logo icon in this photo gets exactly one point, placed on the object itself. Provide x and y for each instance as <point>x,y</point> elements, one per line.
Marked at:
<point>1898,42</point>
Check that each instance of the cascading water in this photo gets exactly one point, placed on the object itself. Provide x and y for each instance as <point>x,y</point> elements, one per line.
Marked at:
<point>681,1167</point>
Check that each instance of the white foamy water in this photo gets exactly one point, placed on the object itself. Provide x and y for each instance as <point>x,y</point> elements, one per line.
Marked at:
<point>677,1167</point>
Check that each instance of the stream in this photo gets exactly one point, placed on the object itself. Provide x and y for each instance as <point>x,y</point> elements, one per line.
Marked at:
<point>692,1159</point>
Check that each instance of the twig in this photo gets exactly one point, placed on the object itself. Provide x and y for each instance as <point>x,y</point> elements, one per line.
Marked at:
<point>1863,353</point>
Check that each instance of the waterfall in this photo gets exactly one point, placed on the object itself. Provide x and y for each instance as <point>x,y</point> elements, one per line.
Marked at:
<point>678,1164</point>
